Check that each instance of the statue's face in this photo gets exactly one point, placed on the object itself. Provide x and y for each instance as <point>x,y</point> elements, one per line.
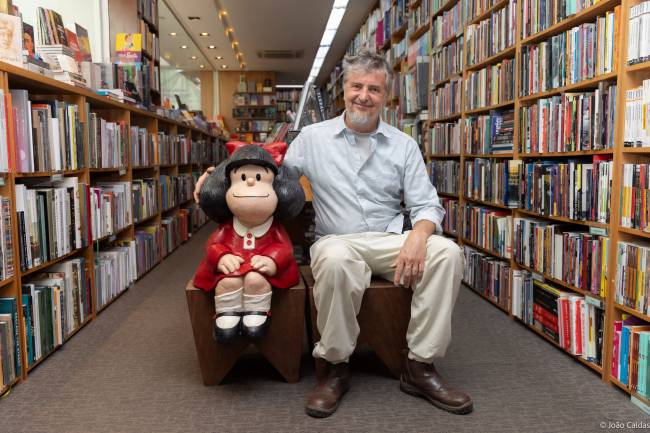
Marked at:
<point>251,197</point>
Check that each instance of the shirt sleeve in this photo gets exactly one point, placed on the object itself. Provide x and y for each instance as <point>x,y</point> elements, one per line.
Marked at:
<point>420,196</point>
<point>294,159</point>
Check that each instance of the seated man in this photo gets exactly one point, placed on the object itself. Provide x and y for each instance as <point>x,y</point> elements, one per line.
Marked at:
<point>360,169</point>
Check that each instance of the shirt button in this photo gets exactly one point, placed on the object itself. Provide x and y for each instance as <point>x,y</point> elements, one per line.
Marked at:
<point>248,242</point>
<point>249,235</point>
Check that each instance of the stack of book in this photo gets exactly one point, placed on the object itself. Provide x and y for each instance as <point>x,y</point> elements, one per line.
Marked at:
<point>142,147</point>
<point>445,175</point>
<point>489,229</point>
<point>115,271</point>
<point>148,248</point>
<point>10,347</point>
<point>494,181</point>
<point>111,208</point>
<point>637,115</point>
<point>108,142</point>
<point>487,275</point>
<point>145,198</point>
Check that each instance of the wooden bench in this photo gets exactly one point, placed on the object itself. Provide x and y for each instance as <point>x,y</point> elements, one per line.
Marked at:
<point>282,346</point>
<point>383,321</point>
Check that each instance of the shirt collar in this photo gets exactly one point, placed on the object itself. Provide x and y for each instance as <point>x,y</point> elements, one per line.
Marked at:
<point>258,231</point>
<point>339,126</point>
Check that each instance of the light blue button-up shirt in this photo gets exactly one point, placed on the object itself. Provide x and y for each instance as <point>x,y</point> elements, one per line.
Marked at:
<point>351,195</point>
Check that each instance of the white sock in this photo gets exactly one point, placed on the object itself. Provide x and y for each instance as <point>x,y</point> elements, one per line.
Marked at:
<point>231,301</point>
<point>256,303</point>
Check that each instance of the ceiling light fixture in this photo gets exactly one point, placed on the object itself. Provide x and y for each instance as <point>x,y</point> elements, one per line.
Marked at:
<point>172,33</point>
<point>219,57</point>
<point>204,34</point>
<point>224,66</point>
<point>193,18</point>
<point>184,47</point>
<point>211,47</point>
<point>193,57</point>
<point>201,66</point>
<point>333,22</point>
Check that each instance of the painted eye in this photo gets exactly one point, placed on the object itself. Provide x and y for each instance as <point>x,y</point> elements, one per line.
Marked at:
<point>258,177</point>
<point>243,177</point>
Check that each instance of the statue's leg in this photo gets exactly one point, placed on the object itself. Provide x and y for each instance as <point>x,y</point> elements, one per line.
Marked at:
<point>228,307</point>
<point>257,305</point>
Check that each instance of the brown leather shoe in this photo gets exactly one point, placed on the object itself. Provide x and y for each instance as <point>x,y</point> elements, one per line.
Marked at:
<point>327,394</point>
<point>422,380</point>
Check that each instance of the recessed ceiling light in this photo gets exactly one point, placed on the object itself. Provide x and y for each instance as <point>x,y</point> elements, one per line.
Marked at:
<point>219,57</point>
<point>172,33</point>
<point>204,34</point>
<point>201,66</point>
<point>193,57</point>
<point>184,47</point>
<point>229,30</point>
<point>193,18</point>
<point>167,56</point>
<point>211,47</point>
<point>224,66</point>
<point>223,13</point>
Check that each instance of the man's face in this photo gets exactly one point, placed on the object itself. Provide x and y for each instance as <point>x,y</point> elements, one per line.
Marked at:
<point>6,34</point>
<point>364,94</point>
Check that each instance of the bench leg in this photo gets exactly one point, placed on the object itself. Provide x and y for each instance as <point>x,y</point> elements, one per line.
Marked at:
<point>282,346</point>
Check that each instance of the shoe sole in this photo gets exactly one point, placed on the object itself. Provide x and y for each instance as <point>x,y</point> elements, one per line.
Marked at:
<point>457,410</point>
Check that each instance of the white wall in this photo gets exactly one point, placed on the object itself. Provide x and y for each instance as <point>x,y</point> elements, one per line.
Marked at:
<point>87,13</point>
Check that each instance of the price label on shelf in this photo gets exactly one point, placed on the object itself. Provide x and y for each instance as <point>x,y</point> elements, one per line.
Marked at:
<point>122,171</point>
<point>2,181</point>
<point>56,177</point>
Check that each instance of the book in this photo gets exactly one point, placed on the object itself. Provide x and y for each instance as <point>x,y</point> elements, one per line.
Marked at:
<point>84,43</point>
<point>11,43</point>
<point>128,48</point>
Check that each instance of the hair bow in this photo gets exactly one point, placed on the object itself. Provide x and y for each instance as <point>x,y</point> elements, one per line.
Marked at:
<point>276,150</point>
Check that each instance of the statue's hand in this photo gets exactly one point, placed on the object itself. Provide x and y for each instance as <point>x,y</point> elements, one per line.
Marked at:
<point>264,265</point>
<point>229,263</point>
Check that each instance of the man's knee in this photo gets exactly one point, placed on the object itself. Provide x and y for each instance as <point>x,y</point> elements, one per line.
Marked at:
<point>331,253</point>
<point>441,249</point>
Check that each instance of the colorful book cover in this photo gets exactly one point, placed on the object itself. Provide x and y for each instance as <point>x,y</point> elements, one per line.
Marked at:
<point>11,44</point>
<point>28,40</point>
<point>84,43</point>
<point>128,47</point>
<point>73,43</point>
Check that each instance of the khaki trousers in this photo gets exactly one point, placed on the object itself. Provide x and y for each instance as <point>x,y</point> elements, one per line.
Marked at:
<point>342,266</point>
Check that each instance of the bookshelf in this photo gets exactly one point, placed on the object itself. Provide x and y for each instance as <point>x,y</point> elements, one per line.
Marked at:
<point>455,144</point>
<point>122,250</point>
<point>254,107</point>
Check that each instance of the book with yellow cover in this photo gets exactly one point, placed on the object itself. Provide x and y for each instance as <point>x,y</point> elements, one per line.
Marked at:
<point>128,47</point>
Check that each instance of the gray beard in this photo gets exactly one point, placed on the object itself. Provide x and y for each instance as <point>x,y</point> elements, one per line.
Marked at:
<point>358,119</point>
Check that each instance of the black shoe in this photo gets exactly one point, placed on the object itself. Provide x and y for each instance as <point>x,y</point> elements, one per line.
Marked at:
<point>255,332</point>
<point>226,335</point>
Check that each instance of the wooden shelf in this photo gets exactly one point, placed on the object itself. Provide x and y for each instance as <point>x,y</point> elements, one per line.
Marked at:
<point>560,282</point>
<point>634,232</point>
<point>450,234</point>
<point>114,235</point>
<point>446,80</point>
<point>581,17</point>
<point>144,167</point>
<point>634,150</point>
<point>644,66</point>
<point>107,170</point>
<point>619,383</point>
<point>419,31</point>
<point>489,108</point>
<point>565,154</point>
<point>399,34</point>
<point>446,118</point>
<point>443,155</point>
<point>445,7</point>
<point>50,263</point>
<point>562,219</point>
<point>145,220</point>
<point>632,312</point>
<point>488,12</point>
<point>485,250</point>
<point>7,281</point>
<point>487,203</point>
<point>507,53</point>
<point>487,298</point>
<point>446,194</point>
<point>449,40</point>
<point>585,84</point>
<point>489,155</point>
<point>50,173</point>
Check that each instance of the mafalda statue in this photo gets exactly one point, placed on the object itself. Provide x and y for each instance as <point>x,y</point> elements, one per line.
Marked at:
<point>250,253</point>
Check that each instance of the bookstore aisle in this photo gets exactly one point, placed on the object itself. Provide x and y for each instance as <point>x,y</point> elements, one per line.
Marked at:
<point>135,368</point>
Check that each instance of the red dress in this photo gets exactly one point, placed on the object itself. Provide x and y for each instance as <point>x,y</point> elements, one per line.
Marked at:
<point>275,244</point>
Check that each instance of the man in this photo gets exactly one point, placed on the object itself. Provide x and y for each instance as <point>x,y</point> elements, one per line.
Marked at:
<point>360,168</point>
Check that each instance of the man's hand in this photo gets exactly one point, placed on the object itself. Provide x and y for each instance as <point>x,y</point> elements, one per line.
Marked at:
<point>264,265</point>
<point>410,260</point>
<point>229,263</point>
<point>199,183</point>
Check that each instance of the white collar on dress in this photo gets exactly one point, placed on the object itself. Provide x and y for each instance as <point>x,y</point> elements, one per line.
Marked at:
<point>257,231</point>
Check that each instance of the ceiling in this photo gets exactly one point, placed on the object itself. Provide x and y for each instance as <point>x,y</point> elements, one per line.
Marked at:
<point>295,25</point>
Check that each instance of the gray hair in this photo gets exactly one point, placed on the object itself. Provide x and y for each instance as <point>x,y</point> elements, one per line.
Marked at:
<point>368,61</point>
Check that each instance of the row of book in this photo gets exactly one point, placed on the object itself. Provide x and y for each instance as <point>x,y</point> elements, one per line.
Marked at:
<point>630,354</point>
<point>638,45</point>
<point>576,323</point>
<point>572,189</point>
<point>445,175</point>
<point>447,25</point>
<point>491,85</point>
<point>145,198</point>
<point>111,208</point>
<point>445,101</point>
<point>115,271</point>
<point>637,116</point>
<point>488,228</point>
<point>174,230</point>
<point>576,257</point>
<point>472,9</point>
<point>252,99</point>
<point>633,275</point>
<point>492,35</point>
<point>7,264</point>
<point>451,220</point>
<point>147,248</point>
<point>493,180</point>
<point>48,133</point>
<point>143,147</point>
<point>176,189</point>
<point>635,197</point>
<point>444,139</point>
<point>265,113</point>
<point>107,142</point>
<point>570,122</point>
<point>538,15</point>
<point>55,302</point>
<point>10,344</point>
<point>447,61</point>
<point>415,87</point>
<point>487,275</point>
<point>579,54</point>
<point>169,148</point>
<point>419,16</point>
<point>490,134</point>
